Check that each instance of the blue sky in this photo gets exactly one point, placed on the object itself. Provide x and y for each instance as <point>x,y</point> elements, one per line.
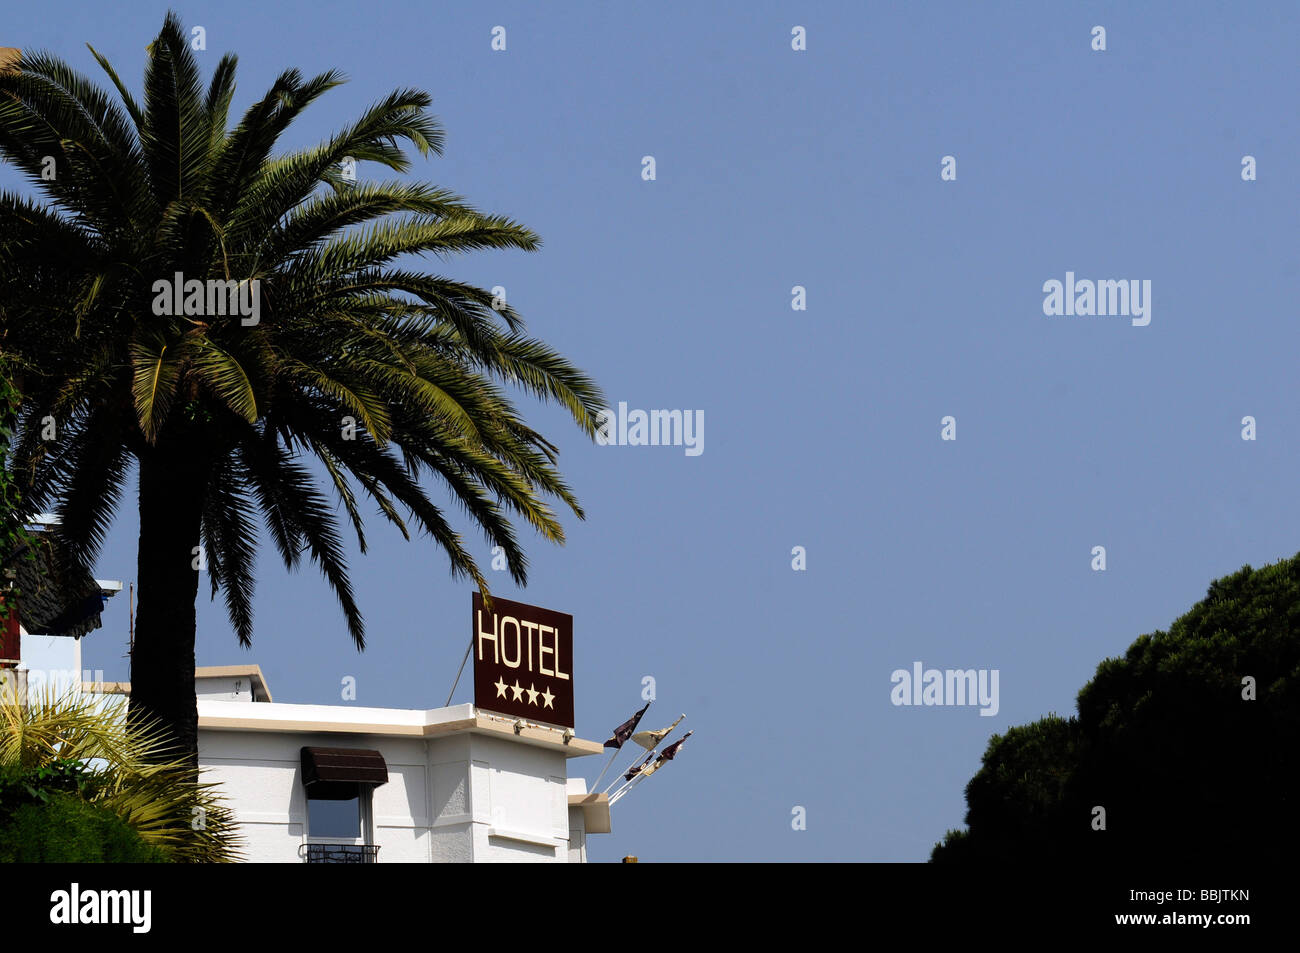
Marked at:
<point>821,168</point>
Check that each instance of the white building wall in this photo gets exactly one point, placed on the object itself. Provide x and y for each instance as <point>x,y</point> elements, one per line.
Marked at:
<point>577,836</point>
<point>452,840</point>
<point>520,808</point>
<point>259,778</point>
<point>53,663</point>
<point>453,799</point>
<point>232,688</point>
<point>577,823</point>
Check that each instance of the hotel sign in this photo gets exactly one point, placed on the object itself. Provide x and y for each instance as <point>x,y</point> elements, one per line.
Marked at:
<point>523,661</point>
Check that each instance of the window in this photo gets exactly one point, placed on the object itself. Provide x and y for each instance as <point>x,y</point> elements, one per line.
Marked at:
<point>339,784</point>
<point>339,829</point>
<point>335,819</point>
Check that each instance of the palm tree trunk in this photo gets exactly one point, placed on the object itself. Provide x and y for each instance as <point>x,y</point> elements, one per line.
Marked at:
<point>172,480</point>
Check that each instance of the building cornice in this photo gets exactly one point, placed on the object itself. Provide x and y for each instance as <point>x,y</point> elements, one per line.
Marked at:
<point>387,722</point>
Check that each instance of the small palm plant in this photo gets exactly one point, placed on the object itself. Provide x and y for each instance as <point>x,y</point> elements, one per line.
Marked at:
<point>84,744</point>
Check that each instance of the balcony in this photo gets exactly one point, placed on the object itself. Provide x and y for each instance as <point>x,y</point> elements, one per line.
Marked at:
<point>342,853</point>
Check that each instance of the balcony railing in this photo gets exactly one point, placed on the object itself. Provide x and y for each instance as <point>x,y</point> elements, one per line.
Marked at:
<point>342,853</point>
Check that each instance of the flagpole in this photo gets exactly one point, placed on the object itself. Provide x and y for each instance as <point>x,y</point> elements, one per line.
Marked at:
<point>621,735</point>
<point>626,784</point>
<point>595,784</point>
<point>629,767</point>
<point>662,738</point>
<point>615,781</point>
<point>630,780</point>
<point>626,789</point>
<point>650,768</point>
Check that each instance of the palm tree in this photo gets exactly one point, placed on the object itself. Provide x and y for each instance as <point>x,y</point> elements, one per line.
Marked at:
<point>381,375</point>
<point>84,745</point>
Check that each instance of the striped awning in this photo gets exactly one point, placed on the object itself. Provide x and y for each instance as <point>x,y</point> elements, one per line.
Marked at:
<point>333,766</point>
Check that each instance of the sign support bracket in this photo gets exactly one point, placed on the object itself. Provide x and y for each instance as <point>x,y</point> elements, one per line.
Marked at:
<point>469,648</point>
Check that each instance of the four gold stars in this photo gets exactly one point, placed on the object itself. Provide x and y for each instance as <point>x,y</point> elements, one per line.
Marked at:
<point>547,699</point>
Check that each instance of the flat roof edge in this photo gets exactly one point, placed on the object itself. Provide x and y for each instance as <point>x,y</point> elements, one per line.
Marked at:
<point>390,722</point>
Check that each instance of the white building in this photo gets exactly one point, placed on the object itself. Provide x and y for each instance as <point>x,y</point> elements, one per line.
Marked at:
<point>462,784</point>
<point>338,783</point>
<point>342,783</point>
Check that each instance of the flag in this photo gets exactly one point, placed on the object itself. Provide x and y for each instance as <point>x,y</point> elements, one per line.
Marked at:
<point>651,739</point>
<point>624,731</point>
<point>637,769</point>
<point>667,754</point>
<point>671,751</point>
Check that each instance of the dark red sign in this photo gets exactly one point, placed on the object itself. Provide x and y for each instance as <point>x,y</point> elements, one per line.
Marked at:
<point>523,661</point>
<point>10,640</point>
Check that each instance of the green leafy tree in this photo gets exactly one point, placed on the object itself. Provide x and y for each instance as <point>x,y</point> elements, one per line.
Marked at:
<point>383,376</point>
<point>64,829</point>
<point>1188,743</point>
